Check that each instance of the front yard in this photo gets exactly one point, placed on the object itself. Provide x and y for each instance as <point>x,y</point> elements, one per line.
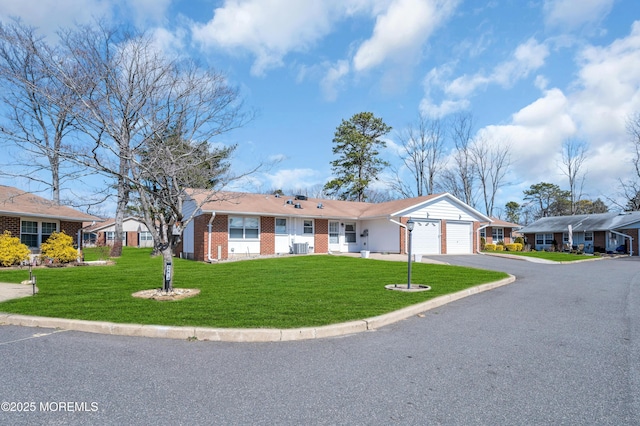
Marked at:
<point>283,292</point>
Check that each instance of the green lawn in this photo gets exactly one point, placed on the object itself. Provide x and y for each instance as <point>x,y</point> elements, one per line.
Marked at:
<point>548,255</point>
<point>272,293</point>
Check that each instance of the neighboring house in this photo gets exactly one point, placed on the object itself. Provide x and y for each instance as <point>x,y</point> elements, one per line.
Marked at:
<point>603,232</point>
<point>33,218</point>
<point>241,224</point>
<point>136,233</point>
<point>499,230</point>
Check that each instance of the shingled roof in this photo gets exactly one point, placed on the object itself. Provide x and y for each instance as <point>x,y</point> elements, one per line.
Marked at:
<point>16,202</point>
<point>584,222</point>
<point>269,204</point>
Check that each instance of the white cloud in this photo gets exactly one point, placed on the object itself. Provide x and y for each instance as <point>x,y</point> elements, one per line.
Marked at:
<point>594,110</point>
<point>526,58</point>
<point>401,30</point>
<point>269,29</point>
<point>334,79</point>
<point>571,14</point>
<point>293,179</point>
<point>50,15</point>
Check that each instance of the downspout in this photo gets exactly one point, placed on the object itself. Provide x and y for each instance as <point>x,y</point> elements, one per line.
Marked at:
<point>209,226</point>
<point>406,243</point>
<point>626,236</point>
<point>478,240</point>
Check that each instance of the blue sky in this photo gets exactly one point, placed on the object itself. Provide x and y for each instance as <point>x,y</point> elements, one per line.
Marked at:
<point>532,73</point>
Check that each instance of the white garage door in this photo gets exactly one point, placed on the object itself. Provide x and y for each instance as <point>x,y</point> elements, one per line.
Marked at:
<point>459,238</point>
<point>425,238</point>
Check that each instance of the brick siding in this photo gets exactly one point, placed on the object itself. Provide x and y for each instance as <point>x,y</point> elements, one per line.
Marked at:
<point>267,235</point>
<point>321,237</point>
<point>11,224</point>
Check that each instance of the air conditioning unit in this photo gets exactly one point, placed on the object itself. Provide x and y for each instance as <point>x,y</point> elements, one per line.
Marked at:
<point>300,248</point>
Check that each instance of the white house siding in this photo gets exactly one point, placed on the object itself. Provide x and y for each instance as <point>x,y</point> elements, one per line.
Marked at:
<point>442,209</point>
<point>188,240</point>
<point>297,232</point>
<point>384,236</point>
<point>459,238</point>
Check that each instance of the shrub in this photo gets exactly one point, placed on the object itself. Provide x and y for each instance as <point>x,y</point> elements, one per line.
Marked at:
<point>490,247</point>
<point>513,247</point>
<point>12,251</point>
<point>500,243</point>
<point>519,240</point>
<point>499,247</point>
<point>483,243</point>
<point>59,248</point>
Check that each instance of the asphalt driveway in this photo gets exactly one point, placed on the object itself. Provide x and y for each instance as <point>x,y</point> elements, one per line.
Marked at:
<point>559,346</point>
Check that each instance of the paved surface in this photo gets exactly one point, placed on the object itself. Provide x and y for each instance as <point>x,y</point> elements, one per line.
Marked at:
<point>14,291</point>
<point>560,346</point>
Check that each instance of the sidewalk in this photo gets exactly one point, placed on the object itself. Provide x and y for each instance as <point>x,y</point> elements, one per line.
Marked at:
<point>14,291</point>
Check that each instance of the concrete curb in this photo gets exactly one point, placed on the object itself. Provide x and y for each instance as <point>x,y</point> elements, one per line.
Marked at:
<point>243,334</point>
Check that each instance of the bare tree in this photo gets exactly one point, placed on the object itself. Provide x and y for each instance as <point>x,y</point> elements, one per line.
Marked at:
<point>491,162</point>
<point>630,188</point>
<point>422,155</point>
<point>151,119</point>
<point>573,156</point>
<point>37,109</point>
<point>460,178</point>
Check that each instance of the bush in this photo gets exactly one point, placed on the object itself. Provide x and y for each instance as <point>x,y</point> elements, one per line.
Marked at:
<point>513,247</point>
<point>12,251</point>
<point>58,248</point>
<point>519,240</point>
<point>499,247</point>
<point>483,243</point>
<point>490,247</point>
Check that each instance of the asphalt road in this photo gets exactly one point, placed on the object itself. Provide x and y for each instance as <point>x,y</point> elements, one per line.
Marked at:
<point>559,346</point>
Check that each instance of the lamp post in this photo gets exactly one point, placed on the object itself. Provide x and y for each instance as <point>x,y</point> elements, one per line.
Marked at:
<point>410,225</point>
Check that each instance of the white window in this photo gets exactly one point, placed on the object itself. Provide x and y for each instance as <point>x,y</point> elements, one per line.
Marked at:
<point>281,226</point>
<point>334,232</point>
<point>111,236</point>
<point>350,232</point>
<point>245,228</point>
<point>146,236</point>
<point>308,226</point>
<point>588,236</point>
<point>544,239</point>
<point>48,228</point>
<point>565,237</point>
<point>483,232</point>
<point>497,234</point>
<point>29,233</point>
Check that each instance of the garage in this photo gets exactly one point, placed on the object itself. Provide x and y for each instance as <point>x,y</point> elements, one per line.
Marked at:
<point>459,238</point>
<point>425,237</point>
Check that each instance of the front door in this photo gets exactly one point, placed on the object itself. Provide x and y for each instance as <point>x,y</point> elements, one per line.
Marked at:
<point>334,236</point>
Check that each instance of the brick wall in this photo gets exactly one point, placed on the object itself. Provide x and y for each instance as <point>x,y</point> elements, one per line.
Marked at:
<point>71,229</point>
<point>475,239</point>
<point>267,235</point>
<point>443,236</point>
<point>132,239</point>
<point>11,224</point>
<point>219,236</point>
<point>321,238</point>
<point>633,233</point>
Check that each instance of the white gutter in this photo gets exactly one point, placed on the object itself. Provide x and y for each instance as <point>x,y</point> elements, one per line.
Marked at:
<point>209,226</point>
<point>478,240</point>
<point>406,243</point>
<point>626,236</point>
